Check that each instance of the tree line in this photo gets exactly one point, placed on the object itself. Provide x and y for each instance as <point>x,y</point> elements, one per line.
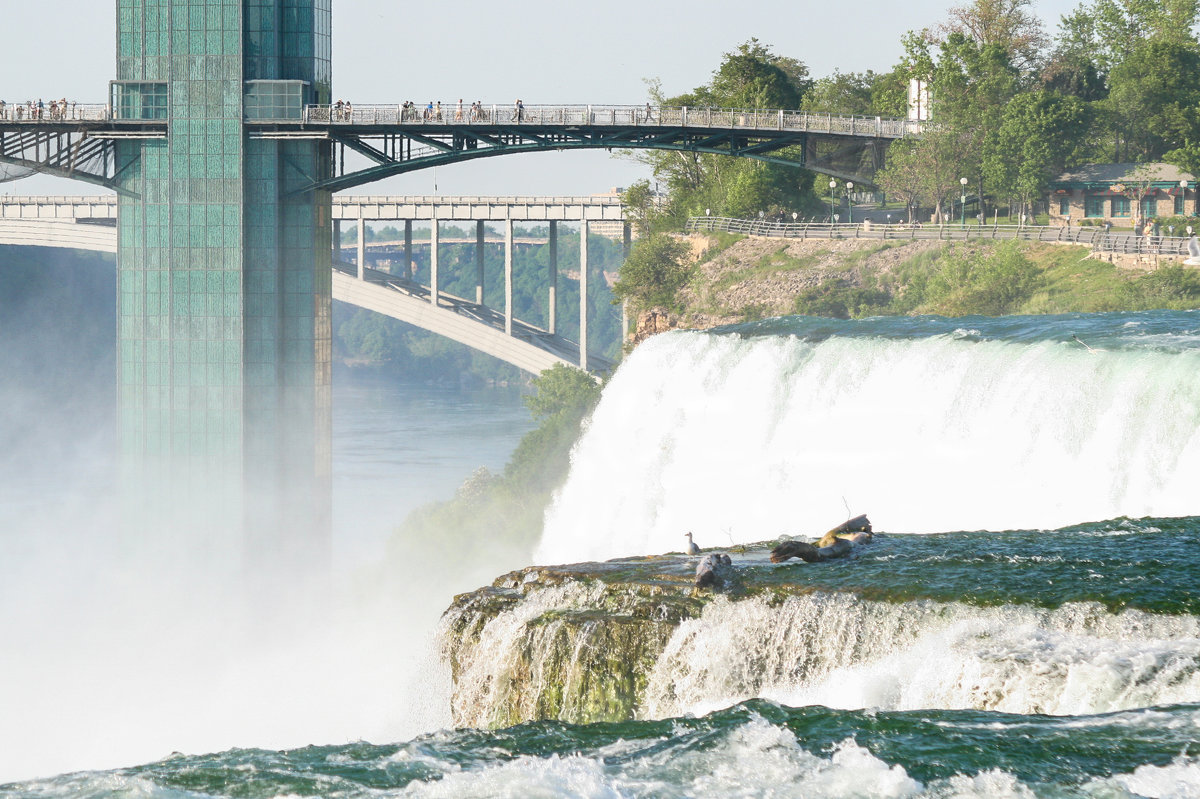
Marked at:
<point>1012,107</point>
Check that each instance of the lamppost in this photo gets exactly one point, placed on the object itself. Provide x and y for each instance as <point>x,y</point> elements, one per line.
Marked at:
<point>963,202</point>
<point>832,186</point>
<point>850,200</point>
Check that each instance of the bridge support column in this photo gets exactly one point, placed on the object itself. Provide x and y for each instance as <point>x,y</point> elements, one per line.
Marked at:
<point>362,249</point>
<point>408,265</point>
<point>552,327</point>
<point>508,280</point>
<point>583,295</point>
<point>479,262</point>
<point>433,261</point>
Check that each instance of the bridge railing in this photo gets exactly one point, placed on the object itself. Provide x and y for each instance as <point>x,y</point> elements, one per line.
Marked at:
<point>1097,238</point>
<point>74,112</point>
<point>614,115</point>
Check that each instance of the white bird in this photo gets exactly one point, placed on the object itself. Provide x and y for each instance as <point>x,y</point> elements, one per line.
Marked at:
<point>692,549</point>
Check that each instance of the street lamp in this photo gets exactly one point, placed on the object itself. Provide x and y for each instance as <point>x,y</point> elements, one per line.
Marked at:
<point>850,200</point>
<point>832,186</point>
<point>963,202</point>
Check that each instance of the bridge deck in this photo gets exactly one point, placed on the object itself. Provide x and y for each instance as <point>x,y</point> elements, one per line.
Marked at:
<point>320,119</point>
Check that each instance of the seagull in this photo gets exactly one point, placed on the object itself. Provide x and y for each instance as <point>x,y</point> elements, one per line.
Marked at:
<point>692,549</point>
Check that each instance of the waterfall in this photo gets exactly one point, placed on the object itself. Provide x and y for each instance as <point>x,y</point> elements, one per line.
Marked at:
<point>741,437</point>
<point>844,652</point>
<point>533,659</point>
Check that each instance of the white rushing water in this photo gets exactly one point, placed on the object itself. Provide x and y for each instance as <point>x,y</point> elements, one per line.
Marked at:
<point>843,652</point>
<point>743,439</point>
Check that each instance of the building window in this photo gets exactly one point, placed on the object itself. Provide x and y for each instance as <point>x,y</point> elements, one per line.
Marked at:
<point>1179,204</point>
<point>1094,206</point>
<point>1064,206</point>
<point>1120,206</point>
<point>1149,207</point>
<point>138,99</point>
<point>275,99</point>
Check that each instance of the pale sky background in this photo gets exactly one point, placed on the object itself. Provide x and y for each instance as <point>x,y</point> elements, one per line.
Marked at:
<point>385,51</point>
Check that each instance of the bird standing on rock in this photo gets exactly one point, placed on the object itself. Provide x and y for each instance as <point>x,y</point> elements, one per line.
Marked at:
<point>692,549</point>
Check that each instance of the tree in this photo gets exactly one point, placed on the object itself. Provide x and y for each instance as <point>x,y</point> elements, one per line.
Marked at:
<point>752,76</point>
<point>562,390</point>
<point>1038,136</point>
<point>1009,25</point>
<point>655,271</point>
<point>1154,100</point>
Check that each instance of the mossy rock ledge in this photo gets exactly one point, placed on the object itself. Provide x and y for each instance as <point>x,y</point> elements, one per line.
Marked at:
<point>579,642</point>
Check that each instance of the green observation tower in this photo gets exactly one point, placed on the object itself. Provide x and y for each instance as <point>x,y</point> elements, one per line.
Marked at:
<point>224,279</point>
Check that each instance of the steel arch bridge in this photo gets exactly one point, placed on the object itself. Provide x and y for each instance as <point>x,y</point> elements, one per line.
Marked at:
<point>78,142</point>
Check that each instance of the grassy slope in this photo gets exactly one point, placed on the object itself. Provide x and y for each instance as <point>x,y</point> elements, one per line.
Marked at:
<point>740,279</point>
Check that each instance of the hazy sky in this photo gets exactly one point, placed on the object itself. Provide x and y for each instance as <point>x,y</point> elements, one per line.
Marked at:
<point>550,52</point>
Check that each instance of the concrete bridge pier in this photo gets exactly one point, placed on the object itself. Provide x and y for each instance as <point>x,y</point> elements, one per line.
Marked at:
<point>362,248</point>
<point>508,276</point>
<point>479,225</point>
<point>552,278</point>
<point>408,254</point>
<point>583,294</point>
<point>433,260</point>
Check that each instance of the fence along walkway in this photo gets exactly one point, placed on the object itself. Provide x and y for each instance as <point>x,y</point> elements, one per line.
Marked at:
<point>1097,238</point>
<point>616,115</point>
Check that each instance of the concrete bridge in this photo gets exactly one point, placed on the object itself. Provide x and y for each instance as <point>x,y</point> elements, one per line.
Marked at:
<point>89,223</point>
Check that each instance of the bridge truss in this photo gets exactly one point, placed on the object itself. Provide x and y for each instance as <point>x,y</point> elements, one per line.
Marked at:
<point>393,139</point>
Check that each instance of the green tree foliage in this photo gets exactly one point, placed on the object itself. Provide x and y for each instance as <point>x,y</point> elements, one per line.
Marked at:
<point>1039,134</point>
<point>1154,99</point>
<point>657,269</point>
<point>562,390</point>
<point>498,518</point>
<point>750,77</point>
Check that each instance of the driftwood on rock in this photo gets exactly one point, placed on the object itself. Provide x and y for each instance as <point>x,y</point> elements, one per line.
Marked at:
<point>859,524</point>
<point>712,568</point>
<point>837,543</point>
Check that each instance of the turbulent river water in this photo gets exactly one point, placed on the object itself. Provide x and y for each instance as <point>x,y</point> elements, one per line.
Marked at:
<point>1027,625</point>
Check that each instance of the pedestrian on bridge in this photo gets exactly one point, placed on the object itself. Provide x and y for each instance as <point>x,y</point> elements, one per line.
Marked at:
<point>458,117</point>
<point>3,110</point>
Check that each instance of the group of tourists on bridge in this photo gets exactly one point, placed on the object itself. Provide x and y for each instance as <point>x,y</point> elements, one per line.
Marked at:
<point>36,110</point>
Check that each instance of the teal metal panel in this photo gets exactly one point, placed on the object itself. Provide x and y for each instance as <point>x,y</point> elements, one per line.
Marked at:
<point>224,287</point>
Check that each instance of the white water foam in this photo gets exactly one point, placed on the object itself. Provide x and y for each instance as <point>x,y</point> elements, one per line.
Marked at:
<point>742,440</point>
<point>844,652</point>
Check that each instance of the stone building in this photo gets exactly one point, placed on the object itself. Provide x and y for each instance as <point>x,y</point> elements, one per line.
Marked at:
<point>1121,194</point>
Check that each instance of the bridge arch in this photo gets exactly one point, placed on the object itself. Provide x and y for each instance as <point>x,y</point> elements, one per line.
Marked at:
<point>469,323</point>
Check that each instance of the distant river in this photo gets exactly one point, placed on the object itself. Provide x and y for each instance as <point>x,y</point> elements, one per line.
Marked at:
<point>397,446</point>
